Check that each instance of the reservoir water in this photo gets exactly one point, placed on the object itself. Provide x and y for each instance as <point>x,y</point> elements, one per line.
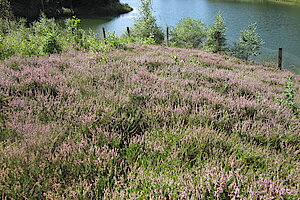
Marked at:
<point>277,24</point>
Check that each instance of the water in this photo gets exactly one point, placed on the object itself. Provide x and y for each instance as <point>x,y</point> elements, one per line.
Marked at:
<point>277,24</point>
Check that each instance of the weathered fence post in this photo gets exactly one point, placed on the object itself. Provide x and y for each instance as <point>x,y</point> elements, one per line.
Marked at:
<point>280,58</point>
<point>128,31</point>
<point>104,35</point>
<point>167,34</point>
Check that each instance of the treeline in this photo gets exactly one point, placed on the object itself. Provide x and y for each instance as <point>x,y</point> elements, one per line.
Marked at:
<point>192,33</point>
<point>45,36</point>
<point>60,8</point>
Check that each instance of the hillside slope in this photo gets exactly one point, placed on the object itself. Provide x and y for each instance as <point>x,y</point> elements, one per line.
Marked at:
<point>147,122</point>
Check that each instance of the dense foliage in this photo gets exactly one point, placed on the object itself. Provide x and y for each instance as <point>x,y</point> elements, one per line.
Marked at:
<point>45,36</point>
<point>5,10</point>
<point>188,33</point>
<point>61,8</point>
<point>191,33</point>
<point>216,38</point>
<point>140,123</point>
<point>145,26</point>
<point>248,44</point>
<point>88,118</point>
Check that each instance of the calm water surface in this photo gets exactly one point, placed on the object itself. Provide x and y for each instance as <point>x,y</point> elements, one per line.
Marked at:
<point>278,25</point>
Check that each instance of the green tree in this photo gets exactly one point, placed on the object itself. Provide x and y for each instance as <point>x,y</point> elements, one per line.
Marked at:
<point>248,44</point>
<point>145,25</point>
<point>216,38</point>
<point>5,10</point>
<point>188,33</point>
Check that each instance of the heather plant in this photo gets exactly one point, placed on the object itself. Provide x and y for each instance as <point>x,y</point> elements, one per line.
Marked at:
<point>248,44</point>
<point>145,25</point>
<point>215,36</point>
<point>146,122</point>
<point>188,33</point>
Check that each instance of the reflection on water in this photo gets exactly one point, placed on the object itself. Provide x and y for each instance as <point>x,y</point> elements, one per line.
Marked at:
<point>278,24</point>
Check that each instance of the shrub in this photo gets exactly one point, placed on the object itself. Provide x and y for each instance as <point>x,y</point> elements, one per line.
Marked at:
<point>48,32</point>
<point>248,44</point>
<point>92,42</point>
<point>2,51</point>
<point>74,32</point>
<point>188,33</point>
<point>114,41</point>
<point>288,100</point>
<point>80,38</point>
<point>41,38</point>
<point>216,38</point>
<point>51,44</point>
<point>5,10</point>
<point>145,25</point>
<point>18,41</point>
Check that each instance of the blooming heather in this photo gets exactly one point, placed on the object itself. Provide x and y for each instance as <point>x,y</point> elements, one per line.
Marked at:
<point>147,122</point>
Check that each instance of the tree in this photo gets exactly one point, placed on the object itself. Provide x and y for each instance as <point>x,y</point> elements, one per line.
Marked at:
<point>5,10</point>
<point>216,38</point>
<point>248,44</point>
<point>188,33</point>
<point>145,25</point>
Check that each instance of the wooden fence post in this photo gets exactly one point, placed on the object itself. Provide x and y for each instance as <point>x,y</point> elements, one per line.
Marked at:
<point>128,31</point>
<point>104,35</point>
<point>167,32</point>
<point>280,58</point>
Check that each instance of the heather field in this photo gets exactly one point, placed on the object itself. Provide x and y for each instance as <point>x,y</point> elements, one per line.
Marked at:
<point>147,122</point>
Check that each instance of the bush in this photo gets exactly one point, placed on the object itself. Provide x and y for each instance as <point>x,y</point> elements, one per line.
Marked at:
<point>145,25</point>
<point>2,51</point>
<point>48,32</point>
<point>248,44</point>
<point>5,10</point>
<point>79,38</point>
<point>216,38</point>
<point>45,36</point>
<point>51,44</point>
<point>17,40</point>
<point>74,32</point>
<point>92,42</point>
<point>114,41</point>
<point>188,33</point>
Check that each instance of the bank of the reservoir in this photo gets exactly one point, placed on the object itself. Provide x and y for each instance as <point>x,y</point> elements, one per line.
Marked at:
<point>63,8</point>
<point>277,24</point>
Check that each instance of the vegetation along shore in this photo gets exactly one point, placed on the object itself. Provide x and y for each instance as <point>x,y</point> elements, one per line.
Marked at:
<point>125,118</point>
<point>66,8</point>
